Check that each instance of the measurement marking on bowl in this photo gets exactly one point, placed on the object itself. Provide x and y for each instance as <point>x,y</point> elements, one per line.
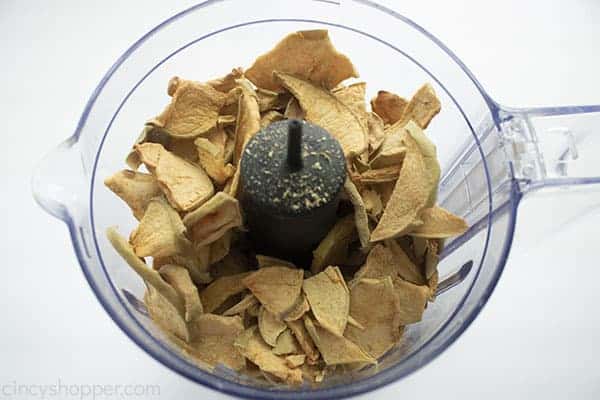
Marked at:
<point>454,278</point>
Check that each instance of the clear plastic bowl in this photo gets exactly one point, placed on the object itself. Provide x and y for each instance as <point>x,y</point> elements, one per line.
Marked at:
<point>490,157</point>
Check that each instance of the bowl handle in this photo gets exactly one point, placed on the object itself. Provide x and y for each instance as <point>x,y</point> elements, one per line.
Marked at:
<point>554,157</point>
<point>58,181</point>
<point>552,146</point>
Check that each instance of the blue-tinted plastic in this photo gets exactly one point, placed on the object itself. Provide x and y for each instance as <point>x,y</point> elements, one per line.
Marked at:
<point>490,156</point>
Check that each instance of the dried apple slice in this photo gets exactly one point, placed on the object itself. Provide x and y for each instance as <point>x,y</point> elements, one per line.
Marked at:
<point>193,111</point>
<point>422,107</point>
<point>277,288</point>
<point>335,349</point>
<point>179,278</point>
<point>329,299</point>
<point>165,314</point>
<point>247,302</point>
<point>160,232</point>
<point>375,305</point>
<point>439,223</point>
<point>213,219</point>
<point>408,199</point>
<point>269,326</point>
<point>228,82</point>
<point>252,346</point>
<point>315,59</point>
<point>185,184</point>
<point>212,159</point>
<point>324,109</point>
<point>135,188</point>
<point>213,338</point>
<point>389,106</point>
<point>360,214</point>
<point>334,247</point>
<point>248,122</point>
<point>149,275</point>
<point>304,340</point>
<point>221,289</point>
<point>286,344</point>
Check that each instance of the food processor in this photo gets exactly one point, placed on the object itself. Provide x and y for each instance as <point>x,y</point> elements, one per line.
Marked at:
<point>491,156</point>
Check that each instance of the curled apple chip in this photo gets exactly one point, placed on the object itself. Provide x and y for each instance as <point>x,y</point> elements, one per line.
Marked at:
<point>149,134</point>
<point>408,199</point>
<point>213,338</point>
<point>179,278</point>
<point>149,153</point>
<point>422,107</point>
<point>226,83</point>
<point>165,314</point>
<point>304,340</point>
<point>149,275</point>
<point>375,305</point>
<point>185,184</point>
<point>389,106</point>
<point>277,288</point>
<point>193,111</point>
<point>354,97</point>
<point>269,326</point>
<point>213,219</point>
<point>429,152</point>
<point>212,159</point>
<point>324,109</point>
<point>334,247</point>
<point>248,301</point>
<point>160,232</point>
<point>329,299</point>
<point>439,223</point>
<point>221,289</point>
<point>335,349</point>
<point>412,299</point>
<point>315,59</point>
<point>269,117</point>
<point>286,344</point>
<point>361,218</point>
<point>135,188</point>
<point>251,345</point>
<point>248,121</point>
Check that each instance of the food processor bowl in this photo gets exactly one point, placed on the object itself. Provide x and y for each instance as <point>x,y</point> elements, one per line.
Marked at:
<point>490,157</point>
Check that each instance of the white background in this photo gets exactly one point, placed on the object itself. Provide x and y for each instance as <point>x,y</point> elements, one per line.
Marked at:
<point>537,337</point>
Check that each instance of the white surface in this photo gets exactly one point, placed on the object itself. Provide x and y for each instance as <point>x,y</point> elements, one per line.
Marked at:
<point>536,338</point>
